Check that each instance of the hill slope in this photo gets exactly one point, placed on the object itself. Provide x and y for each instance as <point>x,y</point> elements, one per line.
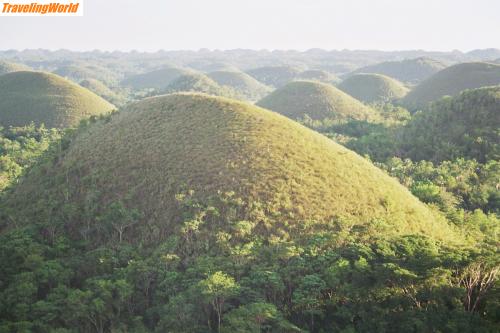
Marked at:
<point>158,79</point>
<point>452,81</point>
<point>242,83</point>
<point>409,70</point>
<point>9,67</point>
<point>317,100</point>
<point>373,88</point>
<point>463,126</point>
<point>38,97</point>
<point>164,145</point>
<point>102,90</point>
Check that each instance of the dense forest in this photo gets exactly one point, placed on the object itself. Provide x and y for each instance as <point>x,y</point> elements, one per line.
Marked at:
<point>194,213</point>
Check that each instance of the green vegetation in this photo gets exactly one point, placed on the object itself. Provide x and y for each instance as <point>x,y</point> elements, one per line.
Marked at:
<point>372,88</point>
<point>451,81</point>
<point>453,127</point>
<point>157,79</point>
<point>200,83</point>
<point>20,147</point>
<point>464,185</point>
<point>44,98</point>
<point>408,71</point>
<point>462,126</point>
<point>243,84</point>
<point>9,67</point>
<point>275,76</point>
<point>317,101</point>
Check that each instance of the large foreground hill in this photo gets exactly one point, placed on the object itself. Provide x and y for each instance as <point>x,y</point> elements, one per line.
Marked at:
<point>164,145</point>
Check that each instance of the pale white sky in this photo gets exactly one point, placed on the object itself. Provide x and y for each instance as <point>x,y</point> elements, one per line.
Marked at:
<point>151,25</point>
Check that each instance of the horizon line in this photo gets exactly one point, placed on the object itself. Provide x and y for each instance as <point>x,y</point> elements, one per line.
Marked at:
<point>203,49</point>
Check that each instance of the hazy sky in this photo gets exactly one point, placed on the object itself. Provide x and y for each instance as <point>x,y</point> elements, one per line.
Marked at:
<point>272,24</point>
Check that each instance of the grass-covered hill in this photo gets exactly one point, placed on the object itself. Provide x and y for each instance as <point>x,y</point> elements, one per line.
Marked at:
<point>103,90</point>
<point>9,67</point>
<point>39,97</point>
<point>79,71</point>
<point>318,75</point>
<point>408,70</point>
<point>200,83</point>
<point>373,88</point>
<point>451,81</point>
<point>163,146</point>
<point>245,85</point>
<point>462,126</point>
<point>157,79</point>
<point>316,100</point>
<point>275,76</point>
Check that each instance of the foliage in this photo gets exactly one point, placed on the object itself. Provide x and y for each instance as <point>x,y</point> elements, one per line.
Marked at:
<point>463,126</point>
<point>305,277</point>
<point>20,147</point>
<point>464,184</point>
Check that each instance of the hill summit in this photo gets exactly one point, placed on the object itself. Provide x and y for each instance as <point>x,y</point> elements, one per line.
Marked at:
<point>316,100</point>
<point>373,88</point>
<point>48,99</point>
<point>199,83</point>
<point>244,85</point>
